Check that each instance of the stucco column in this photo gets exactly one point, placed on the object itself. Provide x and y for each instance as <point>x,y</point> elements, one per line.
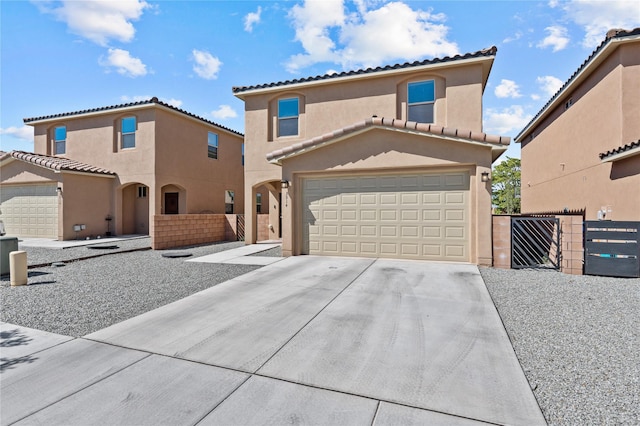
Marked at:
<point>250,216</point>
<point>484,243</point>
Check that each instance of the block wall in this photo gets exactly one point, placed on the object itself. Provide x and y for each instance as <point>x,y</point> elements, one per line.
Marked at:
<point>182,230</point>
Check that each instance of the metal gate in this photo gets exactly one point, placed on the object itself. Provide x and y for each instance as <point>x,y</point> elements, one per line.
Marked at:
<point>240,227</point>
<point>535,242</point>
<point>612,248</point>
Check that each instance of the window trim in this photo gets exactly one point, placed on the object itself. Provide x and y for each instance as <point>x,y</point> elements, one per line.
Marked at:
<point>123,133</point>
<point>295,117</point>
<point>59,142</point>
<point>419,103</point>
<point>212,150</point>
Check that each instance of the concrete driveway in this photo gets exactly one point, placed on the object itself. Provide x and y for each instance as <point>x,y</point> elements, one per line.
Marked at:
<point>317,340</point>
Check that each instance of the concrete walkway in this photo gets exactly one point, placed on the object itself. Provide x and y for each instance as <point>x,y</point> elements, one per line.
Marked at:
<point>242,255</point>
<point>307,339</point>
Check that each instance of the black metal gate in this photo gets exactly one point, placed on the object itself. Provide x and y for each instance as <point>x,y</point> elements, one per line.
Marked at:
<point>612,248</point>
<point>240,227</point>
<point>535,242</point>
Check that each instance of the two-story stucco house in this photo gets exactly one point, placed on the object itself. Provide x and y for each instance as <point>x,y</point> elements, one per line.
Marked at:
<point>111,169</point>
<point>384,162</point>
<point>581,152</point>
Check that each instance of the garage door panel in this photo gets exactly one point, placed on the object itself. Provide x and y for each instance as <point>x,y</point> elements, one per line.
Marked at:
<point>30,210</point>
<point>421,216</point>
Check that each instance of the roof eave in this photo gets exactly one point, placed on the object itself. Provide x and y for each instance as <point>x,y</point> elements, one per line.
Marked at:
<point>377,74</point>
<point>621,155</point>
<point>582,75</point>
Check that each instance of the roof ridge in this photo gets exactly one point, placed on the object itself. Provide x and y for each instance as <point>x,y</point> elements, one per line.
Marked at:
<point>153,100</point>
<point>490,51</point>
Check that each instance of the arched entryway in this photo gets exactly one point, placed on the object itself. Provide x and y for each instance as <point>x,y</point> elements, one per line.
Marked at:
<point>174,199</point>
<point>134,218</point>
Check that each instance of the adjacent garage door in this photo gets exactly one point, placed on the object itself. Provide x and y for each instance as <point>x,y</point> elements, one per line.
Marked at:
<point>30,210</point>
<point>416,216</point>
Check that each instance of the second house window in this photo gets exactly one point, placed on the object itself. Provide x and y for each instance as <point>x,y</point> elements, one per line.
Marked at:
<point>212,145</point>
<point>60,136</point>
<point>288,117</point>
<point>421,97</point>
<point>129,132</point>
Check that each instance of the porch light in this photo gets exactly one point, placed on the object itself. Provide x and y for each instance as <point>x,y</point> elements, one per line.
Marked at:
<point>485,176</point>
<point>285,184</point>
<point>59,190</point>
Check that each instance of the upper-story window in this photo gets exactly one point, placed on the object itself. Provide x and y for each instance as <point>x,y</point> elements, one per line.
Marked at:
<point>288,112</point>
<point>422,97</point>
<point>60,140</point>
<point>243,154</point>
<point>212,145</point>
<point>128,132</point>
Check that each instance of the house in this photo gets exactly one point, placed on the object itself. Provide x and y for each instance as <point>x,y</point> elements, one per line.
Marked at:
<point>581,152</point>
<point>385,162</point>
<point>110,170</point>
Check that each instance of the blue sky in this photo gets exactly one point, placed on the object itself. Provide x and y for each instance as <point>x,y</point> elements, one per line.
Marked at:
<point>62,56</point>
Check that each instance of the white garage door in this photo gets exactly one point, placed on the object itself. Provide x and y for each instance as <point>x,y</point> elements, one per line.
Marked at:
<point>30,210</point>
<point>417,216</point>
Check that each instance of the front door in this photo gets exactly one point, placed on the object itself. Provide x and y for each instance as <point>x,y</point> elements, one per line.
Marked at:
<point>171,203</point>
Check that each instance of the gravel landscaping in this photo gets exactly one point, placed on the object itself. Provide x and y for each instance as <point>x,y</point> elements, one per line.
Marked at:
<point>578,341</point>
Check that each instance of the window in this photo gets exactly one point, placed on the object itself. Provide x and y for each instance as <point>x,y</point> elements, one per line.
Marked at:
<point>421,100</point>
<point>60,138</point>
<point>142,191</point>
<point>212,145</point>
<point>258,202</point>
<point>128,132</point>
<point>288,117</point>
<point>228,201</point>
<point>243,154</point>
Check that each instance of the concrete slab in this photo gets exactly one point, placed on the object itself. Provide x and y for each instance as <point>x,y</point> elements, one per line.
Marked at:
<point>17,343</point>
<point>241,323</point>
<point>155,391</point>
<point>253,260</point>
<point>416,333</point>
<point>57,373</point>
<point>394,414</point>
<point>262,401</point>
<point>228,256</point>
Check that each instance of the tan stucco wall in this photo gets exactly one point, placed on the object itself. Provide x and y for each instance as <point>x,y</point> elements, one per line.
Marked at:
<point>382,150</point>
<point>85,200</point>
<point>561,167</point>
<point>15,172</point>
<point>328,107</point>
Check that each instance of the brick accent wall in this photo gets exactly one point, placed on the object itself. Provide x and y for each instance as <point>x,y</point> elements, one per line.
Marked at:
<point>571,243</point>
<point>181,230</point>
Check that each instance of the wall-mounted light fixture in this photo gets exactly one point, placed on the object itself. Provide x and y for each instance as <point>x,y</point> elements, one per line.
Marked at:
<point>285,184</point>
<point>59,190</point>
<point>485,177</point>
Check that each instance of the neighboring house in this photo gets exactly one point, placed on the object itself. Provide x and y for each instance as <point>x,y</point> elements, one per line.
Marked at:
<point>111,169</point>
<point>581,152</point>
<point>384,162</point>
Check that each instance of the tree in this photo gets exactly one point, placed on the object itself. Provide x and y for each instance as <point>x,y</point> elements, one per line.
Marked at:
<point>506,186</point>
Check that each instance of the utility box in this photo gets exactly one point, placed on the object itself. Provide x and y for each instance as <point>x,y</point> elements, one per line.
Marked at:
<point>7,245</point>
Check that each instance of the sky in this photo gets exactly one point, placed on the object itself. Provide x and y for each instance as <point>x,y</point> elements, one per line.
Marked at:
<point>64,56</point>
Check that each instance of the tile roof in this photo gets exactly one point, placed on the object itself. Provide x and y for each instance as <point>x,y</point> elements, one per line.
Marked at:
<point>58,164</point>
<point>391,123</point>
<point>491,51</point>
<point>611,35</point>
<point>621,149</point>
<point>151,101</point>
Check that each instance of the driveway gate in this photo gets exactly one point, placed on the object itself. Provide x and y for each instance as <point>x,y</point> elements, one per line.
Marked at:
<point>612,248</point>
<point>535,242</point>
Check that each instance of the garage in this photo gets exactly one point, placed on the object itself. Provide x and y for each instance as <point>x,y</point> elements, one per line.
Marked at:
<point>415,216</point>
<point>30,210</point>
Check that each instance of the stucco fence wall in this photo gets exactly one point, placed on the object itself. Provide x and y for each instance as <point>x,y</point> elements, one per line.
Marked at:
<point>571,243</point>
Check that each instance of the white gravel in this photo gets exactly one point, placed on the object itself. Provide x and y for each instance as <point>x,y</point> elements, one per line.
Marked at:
<point>578,341</point>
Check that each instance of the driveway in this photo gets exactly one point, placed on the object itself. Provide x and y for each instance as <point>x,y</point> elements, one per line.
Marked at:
<point>318,340</point>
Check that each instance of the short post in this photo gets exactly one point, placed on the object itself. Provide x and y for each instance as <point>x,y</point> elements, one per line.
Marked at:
<point>18,267</point>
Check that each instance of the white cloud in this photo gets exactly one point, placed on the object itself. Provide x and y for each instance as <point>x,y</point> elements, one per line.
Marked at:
<point>251,19</point>
<point>557,38</point>
<point>207,66</point>
<point>224,112</point>
<point>98,20</point>
<point>516,36</point>
<point>124,63</point>
<point>24,132</point>
<point>549,84</point>
<point>597,17</point>
<point>505,121</point>
<point>366,38</point>
<point>507,89</point>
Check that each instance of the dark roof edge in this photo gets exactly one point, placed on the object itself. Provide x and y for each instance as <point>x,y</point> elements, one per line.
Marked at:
<point>151,101</point>
<point>620,149</point>
<point>491,51</point>
<point>611,35</point>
